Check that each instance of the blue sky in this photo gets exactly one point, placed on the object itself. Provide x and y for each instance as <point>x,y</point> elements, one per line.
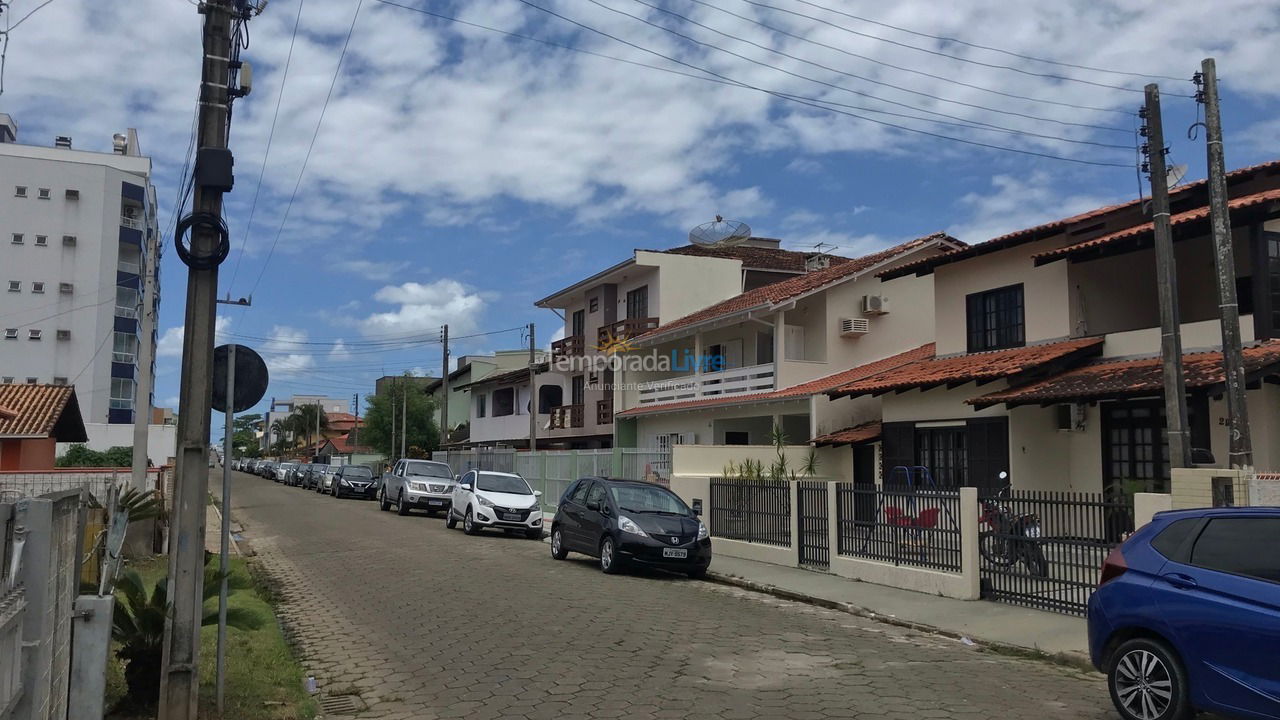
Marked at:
<point>460,174</point>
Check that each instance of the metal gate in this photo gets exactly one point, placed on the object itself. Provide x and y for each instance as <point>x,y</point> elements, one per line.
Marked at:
<point>1058,570</point>
<point>815,540</point>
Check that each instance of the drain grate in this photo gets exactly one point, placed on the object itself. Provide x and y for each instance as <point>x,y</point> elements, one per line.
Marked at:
<point>341,704</point>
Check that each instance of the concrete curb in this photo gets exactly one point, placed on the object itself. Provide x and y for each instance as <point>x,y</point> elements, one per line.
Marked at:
<point>1077,661</point>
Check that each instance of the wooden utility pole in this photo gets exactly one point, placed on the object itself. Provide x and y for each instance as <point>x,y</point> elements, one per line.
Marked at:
<point>180,675</point>
<point>1240,451</point>
<point>444,406</point>
<point>1175,385</point>
<point>533,393</point>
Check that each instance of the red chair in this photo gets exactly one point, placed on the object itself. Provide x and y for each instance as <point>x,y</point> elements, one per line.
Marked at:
<point>928,518</point>
<point>895,516</point>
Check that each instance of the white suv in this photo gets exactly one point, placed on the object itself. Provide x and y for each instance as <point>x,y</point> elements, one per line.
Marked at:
<point>484,499</point>
<point>421,484</point>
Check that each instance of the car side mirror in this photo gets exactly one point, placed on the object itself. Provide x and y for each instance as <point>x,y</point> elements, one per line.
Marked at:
<point>593,505</point>
<point>537,493</point>
<point>466,486</point>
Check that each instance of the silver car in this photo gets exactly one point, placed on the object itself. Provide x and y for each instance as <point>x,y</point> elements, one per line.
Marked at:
<point>420,484</point>
<point>326,479</point>
<point>282,471</point>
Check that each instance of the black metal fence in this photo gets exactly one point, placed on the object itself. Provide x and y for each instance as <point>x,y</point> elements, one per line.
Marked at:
<point>912,526</point>
<point>815,538</point>
<point>1044,550</point>
<point>754,511</point>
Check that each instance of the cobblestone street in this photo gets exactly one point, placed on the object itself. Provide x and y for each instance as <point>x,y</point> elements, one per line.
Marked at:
<point>424,622</point>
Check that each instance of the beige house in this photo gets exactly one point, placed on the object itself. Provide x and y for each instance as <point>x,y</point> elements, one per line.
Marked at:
<point>764,358</point>
<point>627,300</point>
<point>1046,354</point>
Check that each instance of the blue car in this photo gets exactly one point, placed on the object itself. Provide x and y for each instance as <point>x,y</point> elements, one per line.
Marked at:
<point>1186,617</point>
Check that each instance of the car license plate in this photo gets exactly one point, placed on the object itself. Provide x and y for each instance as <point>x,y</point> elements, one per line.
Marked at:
<point>511,516</point>
<point>435,502</point>
<point>675,553</point>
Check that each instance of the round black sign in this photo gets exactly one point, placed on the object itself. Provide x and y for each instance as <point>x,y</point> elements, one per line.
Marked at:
<point>250,380</point>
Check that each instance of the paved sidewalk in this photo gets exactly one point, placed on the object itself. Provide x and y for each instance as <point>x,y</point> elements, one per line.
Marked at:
<point>985,623</point>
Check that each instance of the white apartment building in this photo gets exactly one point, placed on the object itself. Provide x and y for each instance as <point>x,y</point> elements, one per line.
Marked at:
<point>74,226</point>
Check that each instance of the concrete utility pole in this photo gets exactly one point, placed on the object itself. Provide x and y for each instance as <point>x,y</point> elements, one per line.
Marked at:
<point>1241,441</point>
<point>355,429</point>
<point>146,361</point>
<point>533,394</point>
<point>1175,385</point>
<point>180,675</point>
<point>444,406</point>
<point>391,400</point>
<point>404,415</point>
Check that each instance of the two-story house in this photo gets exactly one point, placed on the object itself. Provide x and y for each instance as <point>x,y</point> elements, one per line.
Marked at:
<point>633,297</point>
<point>730,373</point>
<point>455,410</point>
<point>1046,360</point>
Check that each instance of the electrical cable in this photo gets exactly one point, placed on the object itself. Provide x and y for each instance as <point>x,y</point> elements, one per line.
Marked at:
<point>96,353</point>
<point>976,143</point>
<point>939,98</point>
<point>24,17</point>
<point>306,158</point>
<point>1010,53</point>
<point>253,205</point>
<point>995,66</point>
<point>1001,128</point>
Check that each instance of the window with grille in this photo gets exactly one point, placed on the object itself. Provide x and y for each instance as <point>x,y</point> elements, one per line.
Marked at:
<point>37,287</point>
<point>6,380</point>
<point>995,319</point>
<point>42,240</point>
<point>638,302</point>
<point>64,334</point>
<point>20,191</point>
<point>15,286</point>
<point>33,380</point>
<point>33,334</point>
<point>11,333</point>
<point>59,381</point>
<point>945,452</point>
<point>17,238</point>
<point>43,194</point>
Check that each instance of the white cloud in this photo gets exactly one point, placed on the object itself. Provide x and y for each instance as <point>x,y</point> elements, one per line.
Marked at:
<point>170,341</point>
<point>1015,203</point>
<point>339,351</point>
<point>424,307</point>
<point>379,270</point>
<point>285,353</point>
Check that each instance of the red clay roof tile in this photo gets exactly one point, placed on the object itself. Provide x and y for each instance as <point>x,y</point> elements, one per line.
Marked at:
<point>33,410</point>
<point>793,287</point>
<point>856,435</point>
<point>992,365</point>
<point>1118,378</point>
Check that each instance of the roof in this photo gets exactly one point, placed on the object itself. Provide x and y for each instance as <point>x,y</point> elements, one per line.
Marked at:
<point>779,292</point>
<point>754,257</point>
<point>41,411</point>
<point>1039,232</point>
<point>973,367</point>
<point>1132,377</point>
<point>856,435</point>
<point>506,378</point>
<point>803,390</point>
<point>1147,229</point>
<point>341,417</point>
<point>342,444</point>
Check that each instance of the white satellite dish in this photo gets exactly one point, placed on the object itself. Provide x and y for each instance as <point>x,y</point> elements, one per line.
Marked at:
<point>1175,174</point>
<point>720,233</point>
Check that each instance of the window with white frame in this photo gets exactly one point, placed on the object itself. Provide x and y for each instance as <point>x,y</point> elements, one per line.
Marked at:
<point>42,241</point>
<point>15,286</point>
<point>33,380</point>
<point>33,334</point>
<point>43,193</point>
<point>121,394</point>
<point>20,191</point>
<point>125,348</point>
<point>17,238</point>
<point>6,380</point>
<point>37,287</point>
<point>59,381</point>
<point>11,333</point>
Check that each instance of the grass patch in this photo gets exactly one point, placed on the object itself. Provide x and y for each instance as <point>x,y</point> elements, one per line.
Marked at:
<point>264,680</point>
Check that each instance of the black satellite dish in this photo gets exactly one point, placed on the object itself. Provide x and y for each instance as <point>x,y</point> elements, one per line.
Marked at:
<point>251,378</point>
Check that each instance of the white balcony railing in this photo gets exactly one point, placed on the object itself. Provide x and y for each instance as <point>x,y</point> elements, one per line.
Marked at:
<point>129,267</point>
<point>126,312</point>
<point>135,223</point>
<point>736,381</point>
<point>124,357</point>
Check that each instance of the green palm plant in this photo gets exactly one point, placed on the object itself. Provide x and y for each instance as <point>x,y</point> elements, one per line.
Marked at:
<point>306,420</point>
<point>138,626</point>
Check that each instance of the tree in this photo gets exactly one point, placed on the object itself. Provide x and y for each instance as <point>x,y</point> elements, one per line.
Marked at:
<point>305,419</point>
<point>79,455</point>
<point>421,431</point>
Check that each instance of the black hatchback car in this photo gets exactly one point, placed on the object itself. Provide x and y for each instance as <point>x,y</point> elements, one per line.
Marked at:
<point>354,481</point>
<point>624,522</point>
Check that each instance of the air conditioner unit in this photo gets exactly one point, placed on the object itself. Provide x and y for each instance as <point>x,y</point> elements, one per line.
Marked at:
<point>1070,417</point>
<point>130,211</point>
<point>875,304</point>
<point>854,327</point>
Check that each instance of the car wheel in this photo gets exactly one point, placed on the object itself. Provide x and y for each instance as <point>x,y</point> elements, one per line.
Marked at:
<point>533,534</point>
<point>1147,682</point>
<point>383,505</point>
<point>469,524</point>
<point>401,507</point>
<point>450,521</point>
<point>610,563</point>
<point>558,550</point>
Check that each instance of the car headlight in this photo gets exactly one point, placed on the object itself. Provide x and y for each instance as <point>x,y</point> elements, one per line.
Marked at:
<point>485,502</point>
<point>418,486</point>
<point>702,531</point>
<point>627,525</point>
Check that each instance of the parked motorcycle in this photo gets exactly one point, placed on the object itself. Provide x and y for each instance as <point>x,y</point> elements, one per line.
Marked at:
<point>1010,538</point>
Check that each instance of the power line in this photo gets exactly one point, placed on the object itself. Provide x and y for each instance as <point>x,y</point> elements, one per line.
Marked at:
<point>938,53</point>
<point>105,338</point>
<point>783,96</point>
<point>24,17</point>
<point>1000,128</point>
<point>306,158</point>
<point>253,206</point>
<point>961,83</point>
<point>1010,53</point>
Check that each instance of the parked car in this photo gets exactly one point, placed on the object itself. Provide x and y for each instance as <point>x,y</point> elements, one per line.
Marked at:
<point>311,476</point>
<point>1186,616</point>
<point>484,499</point>
<point>326,478</point>
<point>282,472</point>
<point>419,484</point>
<point>354,481</point>
<point>267,470</point>
<point>624,522</point>
<point>295,474</point>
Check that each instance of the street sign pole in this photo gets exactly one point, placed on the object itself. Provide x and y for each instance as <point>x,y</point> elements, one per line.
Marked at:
<point>223,566</point>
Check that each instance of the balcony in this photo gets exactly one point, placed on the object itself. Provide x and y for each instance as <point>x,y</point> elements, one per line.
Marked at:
<point>129,266</point>
<point>572,346</point>
<point>132,223</point>
<point>564,417</point>
<point>604,411</point>
<point>624,329</point>
<point>124,357</point>
<point>127,312</point>
<point>736,381</point>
